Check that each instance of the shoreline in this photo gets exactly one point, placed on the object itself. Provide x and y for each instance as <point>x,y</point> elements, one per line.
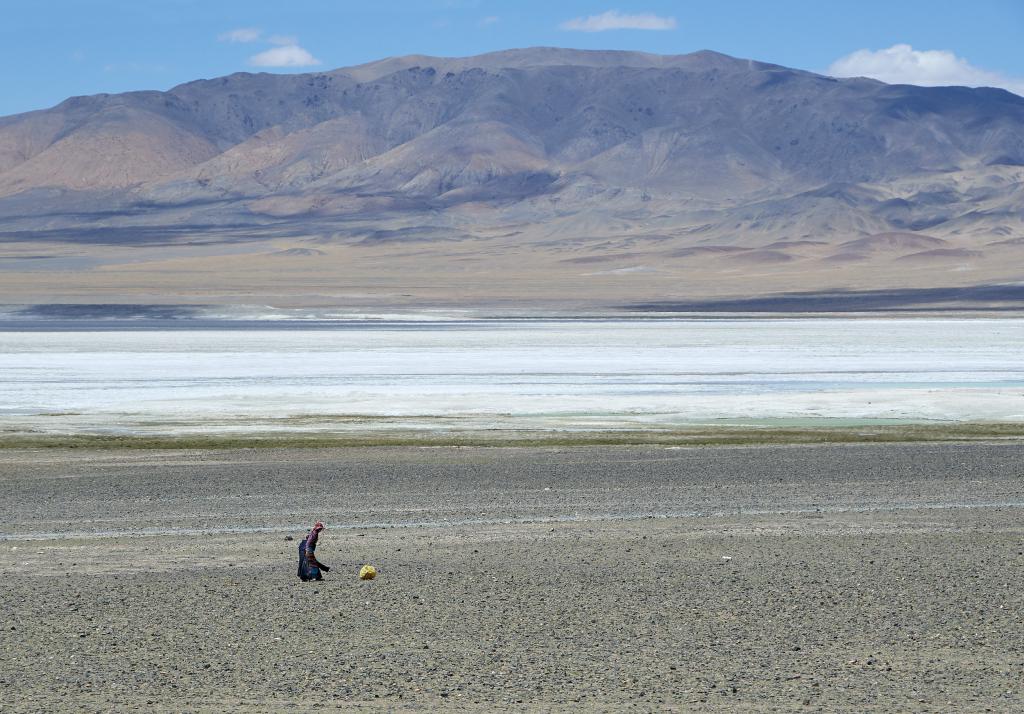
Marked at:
<point>703,436</point>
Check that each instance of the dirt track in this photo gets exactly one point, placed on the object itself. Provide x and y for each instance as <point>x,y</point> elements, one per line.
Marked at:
<point>851,578</point>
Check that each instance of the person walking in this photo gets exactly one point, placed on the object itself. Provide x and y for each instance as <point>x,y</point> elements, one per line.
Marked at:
<point>309,567</point>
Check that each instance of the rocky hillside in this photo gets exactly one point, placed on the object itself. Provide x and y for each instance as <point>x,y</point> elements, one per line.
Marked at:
<point>573,157</point>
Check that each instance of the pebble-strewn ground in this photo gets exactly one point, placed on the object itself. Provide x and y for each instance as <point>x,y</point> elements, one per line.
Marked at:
<point>781,582</point>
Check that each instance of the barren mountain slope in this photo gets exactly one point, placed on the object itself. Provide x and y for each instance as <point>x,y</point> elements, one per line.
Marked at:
<point>683,175</point>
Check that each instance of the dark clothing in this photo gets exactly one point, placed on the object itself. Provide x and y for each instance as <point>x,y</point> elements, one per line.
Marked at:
<point>307,571</point>
<point>309,566</point>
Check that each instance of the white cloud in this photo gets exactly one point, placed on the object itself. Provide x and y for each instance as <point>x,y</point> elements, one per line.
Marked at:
<point>242,34</point>
<point>615,20</point>
<point>902,64</point>
<point>284,56</point>
<point>283,40</point>
<point>490,20</point>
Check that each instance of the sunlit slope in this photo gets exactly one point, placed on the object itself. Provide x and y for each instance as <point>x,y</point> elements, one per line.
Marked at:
<point>537,167</point>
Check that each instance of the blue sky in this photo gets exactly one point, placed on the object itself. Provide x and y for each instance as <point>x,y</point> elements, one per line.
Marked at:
<point>58,48</point>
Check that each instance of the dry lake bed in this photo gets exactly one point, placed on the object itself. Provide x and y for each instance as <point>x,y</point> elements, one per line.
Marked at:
<point>168,377</point>
<point>875,577</point>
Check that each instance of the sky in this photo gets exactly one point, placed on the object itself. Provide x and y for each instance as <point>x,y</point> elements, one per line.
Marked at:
<point>54,49</point>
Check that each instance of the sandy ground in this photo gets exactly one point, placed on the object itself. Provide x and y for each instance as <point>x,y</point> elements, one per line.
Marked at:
<point>825,578</point>
<point>512,274</point>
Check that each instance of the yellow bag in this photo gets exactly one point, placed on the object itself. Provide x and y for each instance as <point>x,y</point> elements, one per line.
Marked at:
<point>367,572</point>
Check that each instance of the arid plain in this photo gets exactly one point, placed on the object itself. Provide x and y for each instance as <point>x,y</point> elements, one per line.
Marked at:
<point>864,577</point>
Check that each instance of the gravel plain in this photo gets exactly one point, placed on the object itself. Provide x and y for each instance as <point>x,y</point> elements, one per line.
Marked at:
<point>808,578</point>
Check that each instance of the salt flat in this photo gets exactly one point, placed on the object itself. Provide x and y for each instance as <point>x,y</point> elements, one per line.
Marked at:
<point>560,374</point>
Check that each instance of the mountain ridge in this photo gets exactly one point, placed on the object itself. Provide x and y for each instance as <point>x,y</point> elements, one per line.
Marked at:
<point>540,155</point>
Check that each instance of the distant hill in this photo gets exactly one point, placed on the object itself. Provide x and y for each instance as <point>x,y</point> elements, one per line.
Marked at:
<point>531,166</point>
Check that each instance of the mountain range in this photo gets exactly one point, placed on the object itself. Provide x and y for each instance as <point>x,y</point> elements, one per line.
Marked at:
<point>535,177</point>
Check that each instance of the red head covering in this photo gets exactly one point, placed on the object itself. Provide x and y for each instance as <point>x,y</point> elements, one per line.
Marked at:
<point>318,526</point>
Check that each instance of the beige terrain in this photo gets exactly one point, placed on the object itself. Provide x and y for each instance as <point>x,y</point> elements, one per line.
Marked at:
<point>500,276</point>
